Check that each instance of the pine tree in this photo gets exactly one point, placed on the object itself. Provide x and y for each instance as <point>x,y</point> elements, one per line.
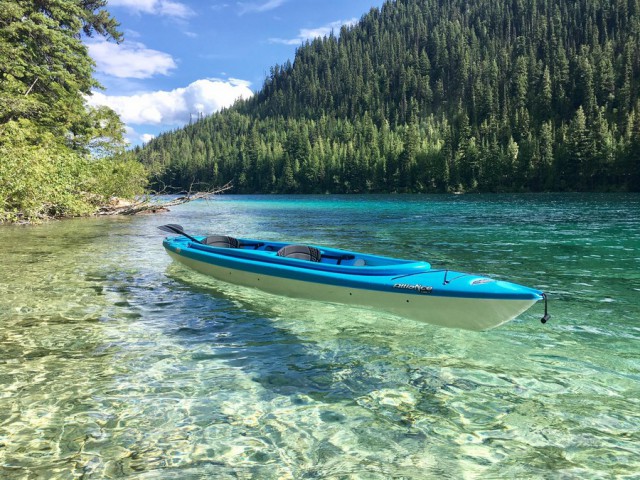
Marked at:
<point>579,152</point>
<point>545,166</point>
<point>44,67</point>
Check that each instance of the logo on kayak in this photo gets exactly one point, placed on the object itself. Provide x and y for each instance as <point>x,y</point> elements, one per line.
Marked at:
<point>482,281</point>
<point>417,287</point>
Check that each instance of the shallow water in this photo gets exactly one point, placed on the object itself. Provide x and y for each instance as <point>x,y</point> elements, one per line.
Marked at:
<point>116,362</point>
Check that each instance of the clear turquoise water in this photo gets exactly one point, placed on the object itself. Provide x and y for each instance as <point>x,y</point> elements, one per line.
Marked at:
<point>115,362</point>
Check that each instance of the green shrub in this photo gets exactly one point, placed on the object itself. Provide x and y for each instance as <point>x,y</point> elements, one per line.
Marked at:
<point>116,177</point>
<point>40,177</point>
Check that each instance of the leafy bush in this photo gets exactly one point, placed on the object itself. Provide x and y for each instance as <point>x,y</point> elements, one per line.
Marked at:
<point>120,176</point>
<point>42,178</point>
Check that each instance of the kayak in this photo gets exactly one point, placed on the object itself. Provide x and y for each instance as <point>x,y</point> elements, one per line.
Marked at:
<point>407,288</point>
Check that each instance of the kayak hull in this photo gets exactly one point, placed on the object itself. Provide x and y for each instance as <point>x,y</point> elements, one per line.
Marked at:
<point>439,297</point>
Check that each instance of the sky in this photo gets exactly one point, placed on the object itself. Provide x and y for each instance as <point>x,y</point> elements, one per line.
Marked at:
<point>180,59</point>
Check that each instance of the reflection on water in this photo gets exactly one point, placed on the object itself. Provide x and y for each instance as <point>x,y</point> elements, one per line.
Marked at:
<point>114,362</point>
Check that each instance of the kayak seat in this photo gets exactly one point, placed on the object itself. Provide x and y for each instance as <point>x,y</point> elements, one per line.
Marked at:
<point>221,241</point>
<point>301,252</point>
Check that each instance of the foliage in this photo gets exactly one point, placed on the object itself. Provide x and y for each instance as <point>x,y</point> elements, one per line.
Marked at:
<point>44,66</point>
<point>118,176</point>
<point>41,178</point>
<point>37,178</point>
<point>53,148</point>
<point>425,95</point>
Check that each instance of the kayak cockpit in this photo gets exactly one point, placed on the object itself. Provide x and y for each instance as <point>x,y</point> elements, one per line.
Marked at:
<point>328,259</point>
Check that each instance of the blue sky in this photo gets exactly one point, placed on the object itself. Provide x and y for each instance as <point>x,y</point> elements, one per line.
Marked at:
<point>180,58</point>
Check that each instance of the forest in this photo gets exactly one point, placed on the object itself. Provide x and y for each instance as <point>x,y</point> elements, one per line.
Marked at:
<point>434,96</point>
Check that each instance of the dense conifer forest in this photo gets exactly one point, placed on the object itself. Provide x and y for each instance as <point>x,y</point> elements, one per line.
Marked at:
<point>435,96</point>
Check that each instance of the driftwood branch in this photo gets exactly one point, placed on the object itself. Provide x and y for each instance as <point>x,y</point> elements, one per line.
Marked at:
<point>150,203</point>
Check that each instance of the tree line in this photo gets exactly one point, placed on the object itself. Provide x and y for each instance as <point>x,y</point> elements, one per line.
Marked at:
<point>435,96</point>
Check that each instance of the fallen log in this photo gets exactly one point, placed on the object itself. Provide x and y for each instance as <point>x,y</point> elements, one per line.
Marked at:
<point>151,204</point>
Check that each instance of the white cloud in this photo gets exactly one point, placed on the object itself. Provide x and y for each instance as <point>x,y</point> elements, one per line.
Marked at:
<point>311,33</point>
<point>219,6</point>
<point>174,108</point>
<point>259,7</point>
<point>155,7</point>
<point>133,137</point>
<point>175,9</point>
<point>236,82</point>
<point>130,59</point>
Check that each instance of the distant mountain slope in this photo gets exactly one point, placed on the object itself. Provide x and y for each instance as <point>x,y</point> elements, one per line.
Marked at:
<point>436,95</point>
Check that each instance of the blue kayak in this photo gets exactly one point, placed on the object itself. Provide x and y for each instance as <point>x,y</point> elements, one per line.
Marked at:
<point>411,289</point>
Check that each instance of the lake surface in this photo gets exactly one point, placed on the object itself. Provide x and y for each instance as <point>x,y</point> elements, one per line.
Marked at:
<point>116,362</point>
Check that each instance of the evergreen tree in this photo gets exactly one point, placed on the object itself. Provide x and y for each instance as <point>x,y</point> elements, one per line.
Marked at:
<point>579,151</point>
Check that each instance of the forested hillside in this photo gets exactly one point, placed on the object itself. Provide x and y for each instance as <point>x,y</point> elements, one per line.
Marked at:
<point>435,95</point>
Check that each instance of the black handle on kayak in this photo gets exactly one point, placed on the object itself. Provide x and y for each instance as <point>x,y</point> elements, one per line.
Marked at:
<point>173,228</point>
<point>546,316</point>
